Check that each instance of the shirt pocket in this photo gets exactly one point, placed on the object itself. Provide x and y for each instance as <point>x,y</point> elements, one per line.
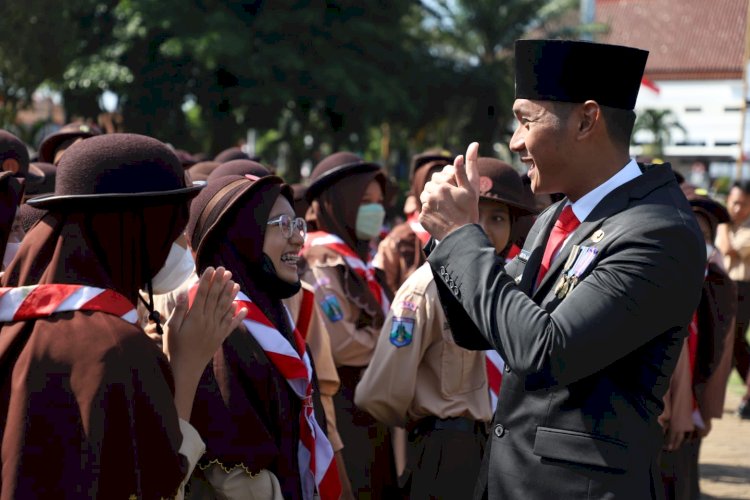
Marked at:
<point>461,371</point>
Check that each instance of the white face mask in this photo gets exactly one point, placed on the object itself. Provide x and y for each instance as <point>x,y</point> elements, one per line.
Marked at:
<point>177,269</point>
<point>11,249</point>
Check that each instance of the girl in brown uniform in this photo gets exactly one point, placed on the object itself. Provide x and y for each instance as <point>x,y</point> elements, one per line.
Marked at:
<point>91,407</point>
<point>258,404</point>
<point>346,196</point>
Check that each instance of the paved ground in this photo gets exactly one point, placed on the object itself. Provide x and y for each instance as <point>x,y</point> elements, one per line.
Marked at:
<point>725,455</point>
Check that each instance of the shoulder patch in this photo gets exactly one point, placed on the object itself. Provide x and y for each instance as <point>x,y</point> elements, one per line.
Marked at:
<point>332,308</point>
<point>405,305</point>
<point>401,331</point>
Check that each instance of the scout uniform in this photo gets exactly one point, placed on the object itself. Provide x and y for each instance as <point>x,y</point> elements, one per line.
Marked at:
<point>354,301</point>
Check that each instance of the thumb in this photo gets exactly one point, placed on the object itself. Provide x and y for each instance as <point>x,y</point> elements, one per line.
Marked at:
<point>467,172</point>
<point>472,169</point>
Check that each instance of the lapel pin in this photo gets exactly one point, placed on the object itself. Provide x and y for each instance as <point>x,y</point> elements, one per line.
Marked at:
<point>597,236</point>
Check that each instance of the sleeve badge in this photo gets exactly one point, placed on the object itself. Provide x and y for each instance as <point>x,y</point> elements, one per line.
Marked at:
<point>401,331</point>
<point>332,308</point>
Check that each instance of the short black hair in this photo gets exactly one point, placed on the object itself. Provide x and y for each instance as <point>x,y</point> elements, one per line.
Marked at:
<point>742,185</point>
<point>620,122</point>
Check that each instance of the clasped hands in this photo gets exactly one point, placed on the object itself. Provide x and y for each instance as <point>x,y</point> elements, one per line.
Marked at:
<point>451,198</point>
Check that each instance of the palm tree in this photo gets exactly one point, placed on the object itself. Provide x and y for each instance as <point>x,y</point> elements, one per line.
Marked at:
<point>660,123</point>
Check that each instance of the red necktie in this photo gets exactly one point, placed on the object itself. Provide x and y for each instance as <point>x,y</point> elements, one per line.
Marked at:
<point>565,224</point>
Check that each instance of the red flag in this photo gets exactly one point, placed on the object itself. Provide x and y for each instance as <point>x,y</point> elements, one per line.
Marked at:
<point>649,84</point>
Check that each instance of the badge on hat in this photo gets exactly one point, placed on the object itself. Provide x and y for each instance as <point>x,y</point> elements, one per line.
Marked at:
<point>401,331</point>
<point>332,308</point>
<point>485,184</point>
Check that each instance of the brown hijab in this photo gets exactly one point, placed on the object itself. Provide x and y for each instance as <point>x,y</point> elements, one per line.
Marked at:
<point>244,408</point>
<point>336,212</point>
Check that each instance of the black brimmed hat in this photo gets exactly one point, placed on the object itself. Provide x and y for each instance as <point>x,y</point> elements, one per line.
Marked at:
<point>117,170</point>
<point>334,167</point>
<point>70,131</point>
<point>714,210</point>
<point>576,71</point>
<point>498,181</point>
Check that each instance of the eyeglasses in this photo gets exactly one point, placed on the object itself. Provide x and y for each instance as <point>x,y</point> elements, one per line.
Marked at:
<point>289,226</point>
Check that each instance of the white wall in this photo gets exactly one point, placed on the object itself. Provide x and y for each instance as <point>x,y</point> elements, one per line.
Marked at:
<point>708,109</point>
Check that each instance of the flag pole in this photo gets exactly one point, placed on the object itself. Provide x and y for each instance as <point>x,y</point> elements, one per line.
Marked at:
<point>746,55</point>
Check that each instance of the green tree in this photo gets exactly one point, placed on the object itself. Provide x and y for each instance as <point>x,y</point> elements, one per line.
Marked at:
<point>659,123</point>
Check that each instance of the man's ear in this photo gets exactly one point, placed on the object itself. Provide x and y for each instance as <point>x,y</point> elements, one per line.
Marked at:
<point>11,165</point>
<point>589,119</point>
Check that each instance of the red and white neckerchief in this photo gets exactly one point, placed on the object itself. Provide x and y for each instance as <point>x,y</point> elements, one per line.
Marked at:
<point>315,453</point>
<point>304,316</point>
<point>365,270</point>
<point>418,229</point>
<point>495,365</point>
<point>39,301</point>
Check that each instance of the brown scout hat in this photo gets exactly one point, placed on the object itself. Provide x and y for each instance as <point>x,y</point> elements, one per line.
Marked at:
<point>230,154</point>
<point>210,207</point>
<point>430,156</point>
<point>11,147</point>
<point>201,170</point>
<point>498,181</point>
<point>712,209</point>
<point>238,167</point>
<point>117,170</point>
<point>71,130</point>
<point>49,171</point>
<point>334,167</point>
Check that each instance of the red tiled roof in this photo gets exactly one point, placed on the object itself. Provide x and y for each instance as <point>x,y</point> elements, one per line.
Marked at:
<point>683,36</point>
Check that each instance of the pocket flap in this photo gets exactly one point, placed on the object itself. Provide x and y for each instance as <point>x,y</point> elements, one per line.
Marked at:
<point>581,447</point>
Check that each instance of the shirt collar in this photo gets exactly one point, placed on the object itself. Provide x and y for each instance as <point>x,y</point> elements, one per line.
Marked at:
<point>586,203</point>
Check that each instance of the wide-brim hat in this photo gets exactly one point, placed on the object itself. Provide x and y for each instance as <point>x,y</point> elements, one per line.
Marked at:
<point>238,167</point>
<point>71,130</point>
<point>430,156</point>
<point>500,182</point>
<point>48,173</point>
<point>712,208</point>
<point>11,147</point>
<point>121,170</point>
<point>209,209</point>
<point>577,71</point>
<point>335,167</point>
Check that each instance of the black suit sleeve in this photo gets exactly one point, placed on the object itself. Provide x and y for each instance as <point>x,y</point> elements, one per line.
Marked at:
<point>646,283</point>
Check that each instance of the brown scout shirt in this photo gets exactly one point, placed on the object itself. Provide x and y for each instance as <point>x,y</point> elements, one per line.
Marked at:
<point>417,369</point>
<point>352,341</point>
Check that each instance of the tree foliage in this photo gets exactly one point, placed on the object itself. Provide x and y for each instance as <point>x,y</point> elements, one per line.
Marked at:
<point>382,77</point>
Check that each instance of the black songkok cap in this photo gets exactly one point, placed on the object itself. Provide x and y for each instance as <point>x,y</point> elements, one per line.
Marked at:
<point>576,71</point>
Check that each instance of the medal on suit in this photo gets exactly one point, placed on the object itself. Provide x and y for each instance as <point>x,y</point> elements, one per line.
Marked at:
<point>585,258</point>
<point>561,290</point>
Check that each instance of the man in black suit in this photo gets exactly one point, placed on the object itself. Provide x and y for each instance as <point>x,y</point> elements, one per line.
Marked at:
<point>591,315</point>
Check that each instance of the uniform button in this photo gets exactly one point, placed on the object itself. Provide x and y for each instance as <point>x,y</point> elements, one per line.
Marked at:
<point>442,271</point>
<point>499,430</point>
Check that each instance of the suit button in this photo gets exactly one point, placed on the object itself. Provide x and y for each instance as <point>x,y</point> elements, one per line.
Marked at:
<point>499,430</point>
<point>442,271</point>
